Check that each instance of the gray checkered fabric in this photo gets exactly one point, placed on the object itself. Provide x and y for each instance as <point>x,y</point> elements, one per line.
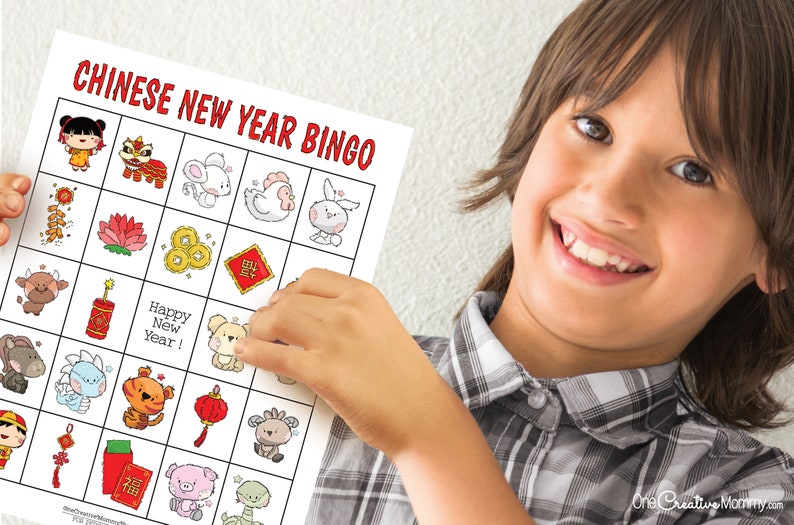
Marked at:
<point>625,446</point>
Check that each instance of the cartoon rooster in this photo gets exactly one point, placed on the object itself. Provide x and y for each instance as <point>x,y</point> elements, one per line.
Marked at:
<point>275,202</point>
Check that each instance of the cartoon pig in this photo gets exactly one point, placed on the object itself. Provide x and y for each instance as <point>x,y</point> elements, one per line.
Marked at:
<point>191,487</point>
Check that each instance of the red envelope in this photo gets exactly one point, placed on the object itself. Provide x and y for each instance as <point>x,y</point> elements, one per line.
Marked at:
<point>131,485</point>
<point>117,454</point>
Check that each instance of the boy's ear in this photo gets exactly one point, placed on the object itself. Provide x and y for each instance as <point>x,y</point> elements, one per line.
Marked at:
<point>769,280</point>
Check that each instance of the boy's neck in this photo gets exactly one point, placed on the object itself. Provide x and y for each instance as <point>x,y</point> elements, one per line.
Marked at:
<point>544,355</point>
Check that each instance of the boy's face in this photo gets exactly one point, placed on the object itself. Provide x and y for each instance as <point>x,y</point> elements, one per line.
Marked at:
<point>624,240</point>
<point>81,141</point>
<point>11,436</point>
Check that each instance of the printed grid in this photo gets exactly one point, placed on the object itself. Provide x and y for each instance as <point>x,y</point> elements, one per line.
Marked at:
<point>159,294</point>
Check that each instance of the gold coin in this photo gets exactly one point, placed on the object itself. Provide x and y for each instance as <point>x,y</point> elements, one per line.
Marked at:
<point>184,237</point>
<point>200,255</point>
<point>177,260</point>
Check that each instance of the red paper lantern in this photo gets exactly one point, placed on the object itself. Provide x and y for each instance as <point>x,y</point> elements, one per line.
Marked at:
<point>210,409</point>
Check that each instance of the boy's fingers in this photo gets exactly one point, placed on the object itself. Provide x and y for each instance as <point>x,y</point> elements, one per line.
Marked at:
<point>318,282</point>
<point>294,323</point>
<point>21,184</point>
<point>15,181</point>
<point>4,233</point>
<point>13,203</point>
<point>275,357</point>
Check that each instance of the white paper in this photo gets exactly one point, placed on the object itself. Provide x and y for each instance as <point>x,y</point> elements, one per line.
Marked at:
<point>229,172</point>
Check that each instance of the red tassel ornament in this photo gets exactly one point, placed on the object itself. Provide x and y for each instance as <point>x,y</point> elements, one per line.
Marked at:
<point>61,458</point>
<point>210,408</point>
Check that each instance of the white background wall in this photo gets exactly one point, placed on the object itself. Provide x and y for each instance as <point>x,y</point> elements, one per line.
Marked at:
<point>451,70</point>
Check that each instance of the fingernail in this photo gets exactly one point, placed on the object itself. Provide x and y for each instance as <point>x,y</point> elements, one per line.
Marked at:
<point>239,346</point>
<point>13,201</point>
<point>19,181</point>
<point>275,297</point>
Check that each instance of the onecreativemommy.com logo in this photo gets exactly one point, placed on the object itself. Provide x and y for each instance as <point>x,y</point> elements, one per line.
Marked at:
<point>668,500</point>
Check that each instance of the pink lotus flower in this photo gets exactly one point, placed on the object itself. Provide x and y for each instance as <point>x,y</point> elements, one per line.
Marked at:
<point>122,235</point>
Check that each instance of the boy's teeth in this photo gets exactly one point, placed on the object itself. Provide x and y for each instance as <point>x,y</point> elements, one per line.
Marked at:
<point>579,250</point>
<point>595,256</point>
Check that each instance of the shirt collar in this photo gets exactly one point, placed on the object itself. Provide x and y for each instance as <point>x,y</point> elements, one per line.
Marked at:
<point>620,407</point>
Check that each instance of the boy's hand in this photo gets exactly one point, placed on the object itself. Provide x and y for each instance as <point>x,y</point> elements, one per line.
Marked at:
<point>354,353</point>
<point>12,202</point>
<point>358,357</point>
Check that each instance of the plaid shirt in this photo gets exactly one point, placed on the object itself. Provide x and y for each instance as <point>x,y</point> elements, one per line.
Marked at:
<point>624,446</point>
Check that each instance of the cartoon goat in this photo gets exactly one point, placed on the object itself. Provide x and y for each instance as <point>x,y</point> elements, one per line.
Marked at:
<point>271,432</point>
<point>20,361</point>
<point>208,180</point>
<point>40,288</point>
<point>329,216</point>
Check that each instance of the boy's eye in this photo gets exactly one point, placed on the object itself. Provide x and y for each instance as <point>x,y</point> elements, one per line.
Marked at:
<point>692,172</point>
<point>594,129</point>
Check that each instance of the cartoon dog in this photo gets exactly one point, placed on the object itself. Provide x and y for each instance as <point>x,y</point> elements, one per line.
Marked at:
<point>146,397</point>
<point>224,335</point>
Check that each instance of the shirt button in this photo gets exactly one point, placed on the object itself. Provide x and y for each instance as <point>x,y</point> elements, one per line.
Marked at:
<point>536,399</point>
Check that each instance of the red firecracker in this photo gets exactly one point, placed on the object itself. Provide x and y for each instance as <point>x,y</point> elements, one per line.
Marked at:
<point>210,409</point>
<point>101,312</point>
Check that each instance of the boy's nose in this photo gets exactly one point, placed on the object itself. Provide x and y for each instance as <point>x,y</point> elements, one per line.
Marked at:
<point>614,194</point>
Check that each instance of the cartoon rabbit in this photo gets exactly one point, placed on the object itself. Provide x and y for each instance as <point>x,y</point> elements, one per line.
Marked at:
<point>329,216</point>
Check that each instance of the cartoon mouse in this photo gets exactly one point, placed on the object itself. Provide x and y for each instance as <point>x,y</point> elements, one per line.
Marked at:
<point>208,180</point>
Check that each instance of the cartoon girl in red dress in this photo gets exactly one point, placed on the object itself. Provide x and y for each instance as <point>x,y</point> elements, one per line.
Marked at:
<point>83,138</point>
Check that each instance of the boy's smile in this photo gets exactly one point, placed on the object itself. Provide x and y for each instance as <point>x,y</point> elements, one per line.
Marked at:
<point>625,242</point>
<point>591,258</point>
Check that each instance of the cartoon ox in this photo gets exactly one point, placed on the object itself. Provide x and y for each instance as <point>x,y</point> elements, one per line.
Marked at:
<point>40,288</point>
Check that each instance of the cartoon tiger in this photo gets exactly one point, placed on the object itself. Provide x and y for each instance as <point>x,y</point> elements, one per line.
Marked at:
<point>146,397</point>
<point>138,162</point>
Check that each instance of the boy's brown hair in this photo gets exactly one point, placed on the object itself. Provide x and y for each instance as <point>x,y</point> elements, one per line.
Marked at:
<point>736,60</point>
